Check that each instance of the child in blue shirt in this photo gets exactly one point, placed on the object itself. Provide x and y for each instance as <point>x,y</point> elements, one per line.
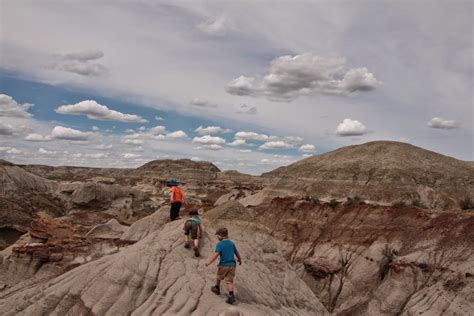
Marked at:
<point>225,249</point>
<point>193,226</point>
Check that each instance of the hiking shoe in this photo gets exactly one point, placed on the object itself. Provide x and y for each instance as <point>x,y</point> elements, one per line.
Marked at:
<point>196,252</point>
<point>186,245</point>
<point>216,290</point>
<point>230,299</point>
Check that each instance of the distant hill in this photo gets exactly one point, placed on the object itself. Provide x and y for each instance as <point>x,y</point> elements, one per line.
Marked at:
<point>385,170</point>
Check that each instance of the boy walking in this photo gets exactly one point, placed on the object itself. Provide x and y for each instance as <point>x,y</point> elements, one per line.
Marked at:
<point>193,227</point>
<point>176,198</point>
<point>225,249</point>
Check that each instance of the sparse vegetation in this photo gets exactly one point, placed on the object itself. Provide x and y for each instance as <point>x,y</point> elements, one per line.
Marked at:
<point>417,203</point>
<point>399,204</point>
<point>355,200</point>
<point>333,203</point>
<point>466,203</point>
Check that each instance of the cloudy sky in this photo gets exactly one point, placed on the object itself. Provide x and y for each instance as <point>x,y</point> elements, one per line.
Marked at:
<point>248,85</point>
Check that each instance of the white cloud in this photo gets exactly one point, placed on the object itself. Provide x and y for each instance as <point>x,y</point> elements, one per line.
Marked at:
<point>157,130</point>
<point>308,148</point>
<point>130,156</point>
<point>208,139</point>
<point>66,133</point>
<point>104,147</point>
<point>238,142</point>
<point>293,76</point>
<point>196,158</point>
<point>95,128</point>
<point>159,118</point>
<point>211,130</point>
<point>34,137</point>
<point>215,26</point>
<point>96,156</point>
<point>245,150</point>
<point>10,108</point>
<point>251,136</point>
<point>177,135</point>
<point>133,141</point>
<point>203,103</point>
<point>96,111</point>
<point>211,147</point>
<point>10,150</point>
<point>350,127</point>
<point>46,152</point>
<point>247,109</point>
<point>276,145</point>
<point>437,122</point>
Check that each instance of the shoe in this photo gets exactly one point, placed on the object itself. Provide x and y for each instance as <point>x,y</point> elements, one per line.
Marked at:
<point>186,245</point>
<point>216,290</point>
<point>230,299</point>
<point>196,252</point>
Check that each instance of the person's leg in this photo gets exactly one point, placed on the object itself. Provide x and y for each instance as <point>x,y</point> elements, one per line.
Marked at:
<point>186,235</point>
<point>216,289</point>
<point>230,285</point>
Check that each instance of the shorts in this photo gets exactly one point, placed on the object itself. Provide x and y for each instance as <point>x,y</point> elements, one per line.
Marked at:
<point>191,227</point>
<point>226,272</point>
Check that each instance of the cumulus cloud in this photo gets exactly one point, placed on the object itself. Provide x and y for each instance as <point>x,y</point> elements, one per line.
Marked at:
<point>34,137</point>
<point>238,142</point>
<point>96,111</point>
<point>157,130</point>
<point>81,63</point>
<point>177,135</point>
<point>307,148</point>
<point>10,150</point>
<point>10,108</point>
<point>211,147</point>
<point>276,145</point>
<point>437,122</point>
<point>96,156</point>
<point>46,152</point>
<point>208,139</point>
<point>292,76</point>
<point>133,141</point>
<point>211,130</point>
<point>66,133</point>
<point>350,127</point>
<point>247,109</point>
<point>216,26</point>
<point>158,118</point>
<point>130,156</point>
<point>251,136</point>
<point>203,103</point>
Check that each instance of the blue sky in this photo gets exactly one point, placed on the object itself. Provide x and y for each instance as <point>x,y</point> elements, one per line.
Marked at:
<point>274,85</point>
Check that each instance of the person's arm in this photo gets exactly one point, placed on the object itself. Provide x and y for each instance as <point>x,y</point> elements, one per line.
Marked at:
<point>239,259</point>
<point>212,259</point>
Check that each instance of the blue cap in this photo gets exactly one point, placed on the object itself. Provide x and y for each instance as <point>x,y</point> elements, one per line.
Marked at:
<point>172,183</point>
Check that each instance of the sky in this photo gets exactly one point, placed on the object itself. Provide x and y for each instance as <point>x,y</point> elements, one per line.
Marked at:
<point>247,85</point>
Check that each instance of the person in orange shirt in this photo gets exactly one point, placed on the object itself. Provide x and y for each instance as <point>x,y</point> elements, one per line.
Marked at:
<point>176,198</point>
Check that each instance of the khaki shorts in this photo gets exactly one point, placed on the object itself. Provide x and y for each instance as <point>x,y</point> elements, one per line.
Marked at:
<point>226,272</point>
<point>191,227</point>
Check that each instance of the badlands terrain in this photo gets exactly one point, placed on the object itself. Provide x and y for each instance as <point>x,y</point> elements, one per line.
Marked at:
<point>383,228</point>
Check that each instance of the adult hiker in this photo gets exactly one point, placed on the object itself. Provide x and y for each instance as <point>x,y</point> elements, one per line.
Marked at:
<point>176,198</point>
<point>193,227</point>
<point>225,249</point>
